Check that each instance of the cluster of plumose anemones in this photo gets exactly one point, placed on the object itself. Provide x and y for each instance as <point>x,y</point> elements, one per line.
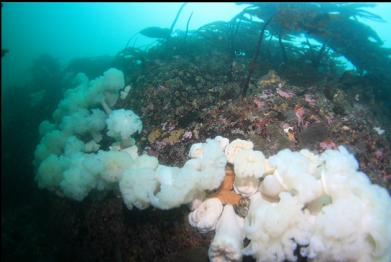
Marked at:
<point>319,203</point>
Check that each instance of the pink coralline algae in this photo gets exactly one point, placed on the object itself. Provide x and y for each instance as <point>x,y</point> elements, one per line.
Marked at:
<point>151,152</point>
<point>379,154</point>
<point>160,145</point>
<point>222,121</point>
<point>262,127</point>
<point>328,144</point>
<point>310,99</point>
<point>259,103</point>
<point>285,94</point>
<point>187,135</point>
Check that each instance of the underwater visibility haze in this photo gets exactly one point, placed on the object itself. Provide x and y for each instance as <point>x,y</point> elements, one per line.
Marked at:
<point>196,131</point>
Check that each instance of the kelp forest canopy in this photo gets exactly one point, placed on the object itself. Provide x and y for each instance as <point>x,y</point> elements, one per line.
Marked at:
<point>335,25</point>
<point>307,39</point>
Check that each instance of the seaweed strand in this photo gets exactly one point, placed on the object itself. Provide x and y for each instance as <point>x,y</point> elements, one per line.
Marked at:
<point>187,25</point>
<point>253,63</point>
<point>176,19</point>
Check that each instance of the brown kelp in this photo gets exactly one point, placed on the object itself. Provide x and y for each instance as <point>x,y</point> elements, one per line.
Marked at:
<point>334,25</point>
<point>254,60</point>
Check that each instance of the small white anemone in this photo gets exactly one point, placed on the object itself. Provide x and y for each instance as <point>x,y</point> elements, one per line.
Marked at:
<point>227,243</point>
<point>132,151</point>
<point>205,216</point>
<point>249,166</point>
<point>224,142</point>
<point>196,150</point>
<point>235,147</point>
<point>249,163</point>
<point>124,93</point>
<point>114,164</point>
<point>246,186</point>
<point>271,186</point>
<point>136,186</point>
<point>122,123</point>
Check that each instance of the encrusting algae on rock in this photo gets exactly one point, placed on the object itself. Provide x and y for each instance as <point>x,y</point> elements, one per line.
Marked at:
<point>154,135</point>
